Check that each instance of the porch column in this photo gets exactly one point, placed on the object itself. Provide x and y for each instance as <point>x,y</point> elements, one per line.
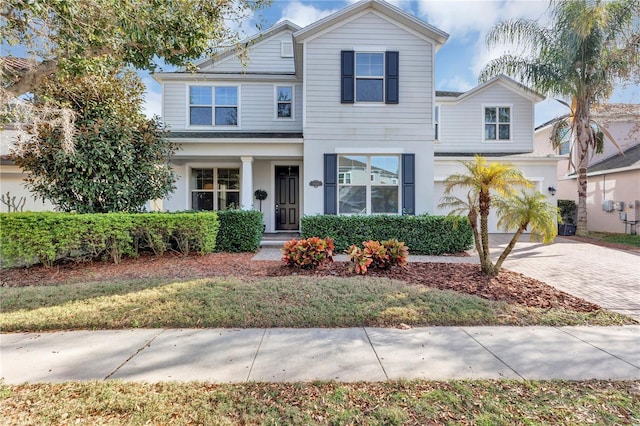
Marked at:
<point>246,191</point>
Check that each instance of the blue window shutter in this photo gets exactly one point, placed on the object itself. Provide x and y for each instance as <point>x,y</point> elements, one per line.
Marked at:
<point>408,184</point>
<point>392,73</point>
<point>330,184</point>
<point>348,77</point>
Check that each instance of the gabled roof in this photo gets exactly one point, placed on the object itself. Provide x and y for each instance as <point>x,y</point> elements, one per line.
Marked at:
<point>248,42</point>
<point>393,12</point>
<point>500,79</point>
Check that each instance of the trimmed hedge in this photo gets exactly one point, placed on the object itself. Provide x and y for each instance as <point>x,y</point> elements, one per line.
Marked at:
<point>423,235</point>
<point>46,237</point>
<point>240,230</point>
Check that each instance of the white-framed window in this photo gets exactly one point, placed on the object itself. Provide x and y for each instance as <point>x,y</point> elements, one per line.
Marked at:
<point>215,188</point>
<point>369,68</point>
<point>284,102</point>
<point>286,49</point>
<point>436,122</point>
<point>213,105</point>
<point>565,141</point>
<point>497,123</point>
<point>368,184</point>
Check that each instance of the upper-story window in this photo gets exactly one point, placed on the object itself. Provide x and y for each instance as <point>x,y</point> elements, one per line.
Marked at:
<point>497,123</point>
<point>284,102</point>
<point>369,77</point>
<point>213,105</point>
<point>564,137</point>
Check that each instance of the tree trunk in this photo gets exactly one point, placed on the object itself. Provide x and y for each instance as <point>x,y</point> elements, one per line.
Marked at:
<point>584,141</point>
<point>484,205</point>
<point>508,249</point>
<point>473,221</point>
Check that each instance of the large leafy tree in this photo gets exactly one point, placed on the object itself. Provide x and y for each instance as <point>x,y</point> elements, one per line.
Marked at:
<point>484,181</point>
<point>589,46</point>
<point>119,158</point>
<point>61,33</point>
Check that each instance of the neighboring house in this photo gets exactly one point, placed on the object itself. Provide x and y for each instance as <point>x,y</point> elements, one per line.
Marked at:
<point>339,117</point>
<point>613,175</point>
<point>12,178</point>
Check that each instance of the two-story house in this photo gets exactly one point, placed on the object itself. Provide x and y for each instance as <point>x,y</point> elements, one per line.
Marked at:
<point>613,189</point>
<point>339,117</point>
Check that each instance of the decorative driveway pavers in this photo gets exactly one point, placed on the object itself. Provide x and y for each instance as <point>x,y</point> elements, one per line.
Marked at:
<point>608,277</point>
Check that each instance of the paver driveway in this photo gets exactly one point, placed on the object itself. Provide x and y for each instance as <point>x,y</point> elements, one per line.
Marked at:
<point>608,277</point>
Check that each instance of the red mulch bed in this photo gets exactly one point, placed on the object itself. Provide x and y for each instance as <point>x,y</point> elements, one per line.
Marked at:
<point>509,286</point>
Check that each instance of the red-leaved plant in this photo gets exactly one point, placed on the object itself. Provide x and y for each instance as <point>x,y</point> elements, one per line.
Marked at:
<point>359,260</point>
<point>377,255</point>
<point>308,253</point>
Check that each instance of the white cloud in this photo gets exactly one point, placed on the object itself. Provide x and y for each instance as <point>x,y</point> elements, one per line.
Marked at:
<point>456,83</point>
<point>302,14</point>
<point>470,18</point>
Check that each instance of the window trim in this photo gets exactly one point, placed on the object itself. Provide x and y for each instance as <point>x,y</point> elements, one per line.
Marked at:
<point>276,102</point>
<point>369,184</point>
<point>213,107</point>
<point>497,123</point>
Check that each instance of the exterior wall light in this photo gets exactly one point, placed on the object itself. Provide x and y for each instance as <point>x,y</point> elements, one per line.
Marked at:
<point>552,190</point>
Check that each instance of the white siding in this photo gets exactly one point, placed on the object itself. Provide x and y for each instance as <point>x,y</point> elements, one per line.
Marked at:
<point>402,128</point>
<point>257,107</point>
<point>328,118</point>
<point>462,124</point>
<point>174,99</point>
<point>263,57</point>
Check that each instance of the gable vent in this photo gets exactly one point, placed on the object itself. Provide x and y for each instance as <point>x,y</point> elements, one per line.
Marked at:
<point>286,49</point>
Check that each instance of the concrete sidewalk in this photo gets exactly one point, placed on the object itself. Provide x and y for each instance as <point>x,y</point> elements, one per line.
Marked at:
<point>347,354</point>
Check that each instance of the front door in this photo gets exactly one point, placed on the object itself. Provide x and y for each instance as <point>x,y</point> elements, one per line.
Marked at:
<point>287,198</point>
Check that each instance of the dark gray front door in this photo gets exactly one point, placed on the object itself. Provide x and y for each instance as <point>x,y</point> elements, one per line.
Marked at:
<point>287,198</point>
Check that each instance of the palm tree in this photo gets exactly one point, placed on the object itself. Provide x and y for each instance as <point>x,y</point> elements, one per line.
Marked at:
<point>522,210</point>
<point>591,45</point>
<point>482,178</point>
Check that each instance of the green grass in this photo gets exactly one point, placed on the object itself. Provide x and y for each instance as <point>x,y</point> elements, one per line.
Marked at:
<point>481,402</point>
<point>272,302</point>
<point>626,239</point>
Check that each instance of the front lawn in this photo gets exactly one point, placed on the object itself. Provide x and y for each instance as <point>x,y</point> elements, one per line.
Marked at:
<point>295,301</point>
<point>623,239</point>
<point>481,402</point>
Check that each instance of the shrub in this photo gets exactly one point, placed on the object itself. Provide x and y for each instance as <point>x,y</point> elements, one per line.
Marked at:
<point>426,235</point>
<point>377,255</point>
<point>29,237</point>
<point>308,253</point>
<point>359,261</point>
<point>240,230</point>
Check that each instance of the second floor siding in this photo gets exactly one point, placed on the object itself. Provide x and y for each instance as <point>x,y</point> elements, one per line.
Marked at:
<point>269,55</point>
<point>256,107</point>
<point>328,118</point>
<point>461,126</point>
